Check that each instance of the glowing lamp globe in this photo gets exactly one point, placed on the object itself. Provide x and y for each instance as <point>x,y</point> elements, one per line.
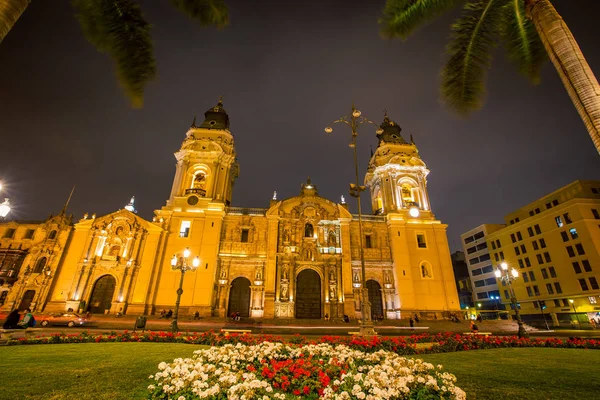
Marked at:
<point>196,262</point>
<point>356,113</point>
<point>186,252</point>
<point>4,208</point>
<point>414,212</point>
<point>329,129</point>
<point>504,266</point>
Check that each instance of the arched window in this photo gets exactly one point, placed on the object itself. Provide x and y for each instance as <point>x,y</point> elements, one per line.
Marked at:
<point>331,240</point>
<point>407,193</point>
<point>52,235</point>
<point>378,203</point>
<point>199,181</point>
<point>308,230</point>
<point>426,270</point>
<point>39,266</point>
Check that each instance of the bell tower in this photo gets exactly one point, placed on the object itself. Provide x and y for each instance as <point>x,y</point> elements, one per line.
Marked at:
<point>206,162</point>
<point>396,176</point>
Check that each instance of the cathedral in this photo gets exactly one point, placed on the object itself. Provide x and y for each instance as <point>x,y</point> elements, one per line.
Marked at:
<point>298,258</point>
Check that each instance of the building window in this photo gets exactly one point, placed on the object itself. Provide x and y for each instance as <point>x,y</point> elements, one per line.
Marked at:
<point>52,235</point>
<point>487,269</point>
<point>476,272</point>
<point>529,291</point>
<point>245,235</point>
<point>547,257</point>
<point>559,222</point>
<point>479,283</point>
<point>549,288</point>
<point>490,281</point>
<point>542,243</point>
<point>474,260</point>
<point>583,284</point>
<point>593,283</point>
<point>556,303</point>
<point>519,237</point>
<point>527,262</point>
<point>184,229</point>
<point>421,241</point>
<point>579,248</point>
<point>595,213</point>
<point>531,213</point>
<point>576,267</point>
<point>564,235</point>
<point>521,263</point>
<point>513,238</point>
<point>586,266</point>
<point>482,246</point>
<point>536,290</point>
<point>540,260</point>
<point>537,210</point>
<point>592,300</point>
<point>493,245</point>
<point>482,295</point>
<point>516,220</point>
<point>39,266</point>
<point>498,243</point>
<point>537,229</point>
<point>469,239</point>
<point>523,249</point>
<point>544,273</point>
<point>573,233</point>
<point>531,276</point>
<point>496,257</point>
<point>530,231</point>
<point>502,255</point>
<point>368,243</point>
<point>536,304</point>
<point>478,235</point>
<point>471,250</point>
<point>525,278</point>
<point>548,206</point>
<point>517,252</point>
<point>506,294</point>
<point>567,218</point>
<point>570,251</point>
<point>552,272</point>
<point>29,234</point>
<point>535,245</point>
<point>10,232</point>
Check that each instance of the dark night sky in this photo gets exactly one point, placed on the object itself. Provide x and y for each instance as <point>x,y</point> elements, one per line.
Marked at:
<point>286,70</point>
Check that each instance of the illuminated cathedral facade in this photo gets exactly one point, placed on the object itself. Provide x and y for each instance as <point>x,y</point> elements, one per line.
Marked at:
<point>298,258</point>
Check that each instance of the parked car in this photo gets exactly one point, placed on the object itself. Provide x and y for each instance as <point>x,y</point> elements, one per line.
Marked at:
<point>68,319</point>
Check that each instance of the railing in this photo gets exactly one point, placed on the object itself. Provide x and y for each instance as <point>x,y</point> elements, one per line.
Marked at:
<point>371,218</point>
<point>198,191</point>
<point>246,211</point>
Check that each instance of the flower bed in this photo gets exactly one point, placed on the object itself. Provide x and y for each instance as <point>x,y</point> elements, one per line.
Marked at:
<point>402,345</point>
<point>278,371</point>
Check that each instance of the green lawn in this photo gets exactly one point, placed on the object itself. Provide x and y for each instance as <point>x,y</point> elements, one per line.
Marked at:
<point>121,370</point>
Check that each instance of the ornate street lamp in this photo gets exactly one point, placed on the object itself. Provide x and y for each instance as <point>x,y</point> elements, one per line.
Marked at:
<point>182,264</point>
<point>507,276</point>
<point>575,310</point>
<point>354,120</point>
<point>4,208</point>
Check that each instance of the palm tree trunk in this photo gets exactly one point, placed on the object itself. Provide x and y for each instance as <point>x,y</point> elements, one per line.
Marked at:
<point>573,69</point>
<point>10,11</point>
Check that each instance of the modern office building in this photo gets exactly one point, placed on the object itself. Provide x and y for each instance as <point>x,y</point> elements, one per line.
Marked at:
<point>554,243</point>
<point>463,279</point>
<point>481,270</point>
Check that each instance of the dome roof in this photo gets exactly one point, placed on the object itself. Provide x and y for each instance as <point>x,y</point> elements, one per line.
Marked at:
<point>390,132</point>
<point>216,117</point>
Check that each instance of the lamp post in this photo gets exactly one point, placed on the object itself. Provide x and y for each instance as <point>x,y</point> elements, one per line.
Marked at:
<point>496,298</point>
<point>507,276</point>
<point>575,309</point>
<point>354,120</point>
<point>182,264</point>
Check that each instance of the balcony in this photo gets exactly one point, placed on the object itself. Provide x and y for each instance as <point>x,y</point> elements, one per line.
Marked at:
<point>200,192</point>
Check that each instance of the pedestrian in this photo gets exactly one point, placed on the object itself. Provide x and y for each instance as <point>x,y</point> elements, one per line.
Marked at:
<point>12,320</point>
<point>326,317</point>
<point>163,313</point>
<point>416,318</point>
<point>479,318</point>
<point>169,314</point>
<point>346,319</point>
<point>196,315</point>
<point>474,328</point>
<point>28,320</point>
<point>411,322</point>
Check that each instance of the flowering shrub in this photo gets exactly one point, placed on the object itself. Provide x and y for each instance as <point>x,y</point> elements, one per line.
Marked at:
<point>278,371</point>
<point>402,345</point>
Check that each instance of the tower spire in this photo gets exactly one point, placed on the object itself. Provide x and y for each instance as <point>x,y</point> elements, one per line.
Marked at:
<point>64,209</point>
<point>194,122</point>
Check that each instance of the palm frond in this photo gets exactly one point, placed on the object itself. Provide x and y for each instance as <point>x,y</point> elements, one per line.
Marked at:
<point>401,17</point>
<point>521,41</point>
<point>118,28</point>
<point>473,39</point>
<point>206,12</point>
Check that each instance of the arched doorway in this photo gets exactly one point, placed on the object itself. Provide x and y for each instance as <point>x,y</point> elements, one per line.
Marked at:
<point>26,300</point>
<point>239,297</point>
<point>374,289</point>
<point>308,295</point>
<point>102,295</point>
